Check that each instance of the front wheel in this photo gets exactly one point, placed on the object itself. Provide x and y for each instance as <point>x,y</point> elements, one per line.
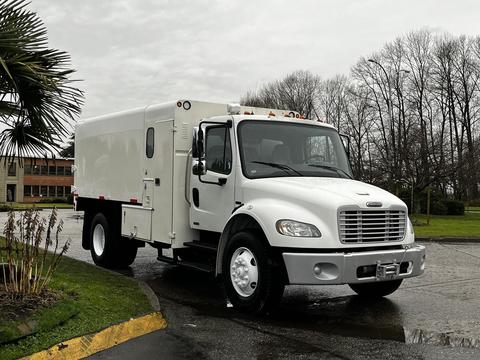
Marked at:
<point>250,274</point>
<point>376,289</point>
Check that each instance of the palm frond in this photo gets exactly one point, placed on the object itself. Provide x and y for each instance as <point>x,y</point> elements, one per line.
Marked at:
<point>37,100</point>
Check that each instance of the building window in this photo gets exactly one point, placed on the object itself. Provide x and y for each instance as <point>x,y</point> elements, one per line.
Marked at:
<point>36,190</point>
<point>27,170</point>
<point>68,190</point>
<point>43,190</point>
<point>12,169</point>
<point>68,170</point>
<point>35,169</point>
<point>60,170</point>
<point>52,170</point>
<point>44,170</point>
<point>52,191</point>
<point>59,191</point>
<point>27,190</point>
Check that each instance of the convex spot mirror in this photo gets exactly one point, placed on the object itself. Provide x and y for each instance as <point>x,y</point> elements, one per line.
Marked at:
<point>199,168</point>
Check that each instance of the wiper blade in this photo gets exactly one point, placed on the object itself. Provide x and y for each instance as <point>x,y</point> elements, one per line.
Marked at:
<point>333,168</point>
<point>278,166</point>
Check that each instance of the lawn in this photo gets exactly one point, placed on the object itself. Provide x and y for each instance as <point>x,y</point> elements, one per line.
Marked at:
<point>97,298</point>
<point>467,226</point>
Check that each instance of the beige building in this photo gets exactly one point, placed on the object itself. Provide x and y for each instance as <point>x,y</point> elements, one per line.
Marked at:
<point>34,179</point>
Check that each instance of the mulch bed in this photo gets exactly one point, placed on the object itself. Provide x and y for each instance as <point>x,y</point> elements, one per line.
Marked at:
<point>16,307</point>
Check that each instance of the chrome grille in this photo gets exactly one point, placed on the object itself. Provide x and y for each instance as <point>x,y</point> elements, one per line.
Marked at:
<point>360,226</point>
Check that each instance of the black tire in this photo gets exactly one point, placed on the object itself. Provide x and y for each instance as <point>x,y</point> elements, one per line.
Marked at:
<point>376,289</point>
<point>116,253</point>
<point>268,290</point>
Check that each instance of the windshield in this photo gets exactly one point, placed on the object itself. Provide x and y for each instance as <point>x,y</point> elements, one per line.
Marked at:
<point>274,149</point>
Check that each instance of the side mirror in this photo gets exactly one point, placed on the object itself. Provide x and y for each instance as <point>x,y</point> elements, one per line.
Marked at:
<point>194,143</point>
<point>200,148</point>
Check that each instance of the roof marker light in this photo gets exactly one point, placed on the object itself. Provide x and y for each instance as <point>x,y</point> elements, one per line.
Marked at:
<point>271,114</point>
<point>187,105</point>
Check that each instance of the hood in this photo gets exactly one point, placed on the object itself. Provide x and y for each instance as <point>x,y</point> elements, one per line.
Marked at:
<point>334,191</point>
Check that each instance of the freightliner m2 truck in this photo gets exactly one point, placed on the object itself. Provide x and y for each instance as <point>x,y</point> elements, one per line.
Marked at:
<point>261,198</point>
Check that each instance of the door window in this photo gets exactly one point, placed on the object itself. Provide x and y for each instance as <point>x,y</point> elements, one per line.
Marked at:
<point>218,150</point>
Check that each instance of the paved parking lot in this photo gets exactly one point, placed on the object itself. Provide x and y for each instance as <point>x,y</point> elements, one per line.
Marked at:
<point>434,316</point>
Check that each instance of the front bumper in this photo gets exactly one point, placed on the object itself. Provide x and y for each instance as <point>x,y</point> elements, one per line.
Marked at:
<point>354,267</point>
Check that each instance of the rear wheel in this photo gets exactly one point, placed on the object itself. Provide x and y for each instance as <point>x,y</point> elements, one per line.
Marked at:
<point>376,289</point>
<point>250,275</point>
<point>107,248</point>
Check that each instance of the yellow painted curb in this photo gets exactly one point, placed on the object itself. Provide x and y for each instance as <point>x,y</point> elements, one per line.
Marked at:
<point>87,345</point>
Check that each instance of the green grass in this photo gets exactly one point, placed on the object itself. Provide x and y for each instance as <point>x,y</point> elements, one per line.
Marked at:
<point>22,206</point>
<point>472,208</point>
<point>467,226</point>
<point>101,297</point>
<point>41,320</point>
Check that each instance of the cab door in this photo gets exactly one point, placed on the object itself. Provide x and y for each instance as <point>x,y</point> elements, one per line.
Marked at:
<point>212,194</point>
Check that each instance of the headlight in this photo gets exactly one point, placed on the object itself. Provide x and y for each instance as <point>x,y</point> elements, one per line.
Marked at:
<point>296,228</point>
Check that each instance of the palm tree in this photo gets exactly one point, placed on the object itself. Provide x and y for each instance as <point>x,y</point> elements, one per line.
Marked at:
<point>69,150</point>
<point>38,103</point>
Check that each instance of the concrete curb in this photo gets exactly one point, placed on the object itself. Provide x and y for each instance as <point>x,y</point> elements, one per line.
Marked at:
<point>448,240</point>
<point>152,297</point>
<point>83,346</point>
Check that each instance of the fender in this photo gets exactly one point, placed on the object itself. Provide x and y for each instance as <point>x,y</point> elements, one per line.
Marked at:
<point>258,214</point>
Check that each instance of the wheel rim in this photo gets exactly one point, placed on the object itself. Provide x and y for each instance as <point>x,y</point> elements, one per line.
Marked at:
<point>98,240</point>
<point>244,272</point>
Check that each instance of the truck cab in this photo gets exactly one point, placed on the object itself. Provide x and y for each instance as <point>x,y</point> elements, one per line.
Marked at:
<point>259,197</point>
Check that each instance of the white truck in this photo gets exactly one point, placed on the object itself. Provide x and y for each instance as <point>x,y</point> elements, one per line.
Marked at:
<point>262,198</point>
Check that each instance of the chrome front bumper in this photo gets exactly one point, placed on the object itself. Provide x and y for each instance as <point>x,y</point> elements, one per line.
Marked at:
<point>355,267</point>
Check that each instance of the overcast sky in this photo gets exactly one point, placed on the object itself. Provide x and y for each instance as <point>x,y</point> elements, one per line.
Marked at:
<point>132,53</point>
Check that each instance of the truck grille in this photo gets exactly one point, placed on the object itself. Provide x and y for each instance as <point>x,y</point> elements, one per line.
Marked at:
<point>360,226</point>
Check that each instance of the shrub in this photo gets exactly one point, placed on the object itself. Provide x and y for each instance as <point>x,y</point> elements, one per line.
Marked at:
<point>28,269</point>
<point>5,207</point>
<point>455,207</point>
<point>53,201</point>
<point>475,203</point>
<point>439,208</point>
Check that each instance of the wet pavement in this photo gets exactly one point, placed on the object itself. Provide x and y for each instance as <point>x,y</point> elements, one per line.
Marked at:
<point>434,316</point>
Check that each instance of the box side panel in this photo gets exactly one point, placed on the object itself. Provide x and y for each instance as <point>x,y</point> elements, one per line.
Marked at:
<point>108,156</point>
